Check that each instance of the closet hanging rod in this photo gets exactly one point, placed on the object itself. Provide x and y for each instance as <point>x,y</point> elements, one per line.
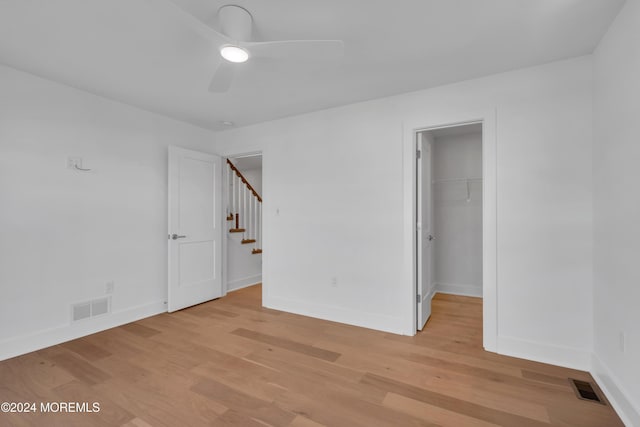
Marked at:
<point>437,181</point>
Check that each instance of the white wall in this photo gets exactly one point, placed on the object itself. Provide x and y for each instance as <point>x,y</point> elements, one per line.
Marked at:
<point>333,188</point>
<point>64,234</point>
<point>458,222</point>
<point>243,267</point>
<point>617,210</point>
<point>254,176</point>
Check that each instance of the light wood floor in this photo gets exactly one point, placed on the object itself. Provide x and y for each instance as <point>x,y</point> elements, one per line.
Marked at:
<point>231,362</point>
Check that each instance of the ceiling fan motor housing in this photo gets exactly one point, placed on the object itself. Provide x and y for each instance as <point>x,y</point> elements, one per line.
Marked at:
<point>235,22</point>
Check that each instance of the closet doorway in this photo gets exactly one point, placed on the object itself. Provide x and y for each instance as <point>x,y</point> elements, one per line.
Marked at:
<point>449,210</point>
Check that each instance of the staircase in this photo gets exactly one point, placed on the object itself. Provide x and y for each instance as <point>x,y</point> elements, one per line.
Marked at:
<point>244,209</point>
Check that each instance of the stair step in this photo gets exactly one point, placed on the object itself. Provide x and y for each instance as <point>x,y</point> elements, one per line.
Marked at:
<point>237,230</point>
<point>245,241</point>
<point>256,251</point>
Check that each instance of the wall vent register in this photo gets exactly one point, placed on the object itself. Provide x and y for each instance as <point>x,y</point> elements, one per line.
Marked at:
<point>88,309</point>
<point>586,391</point>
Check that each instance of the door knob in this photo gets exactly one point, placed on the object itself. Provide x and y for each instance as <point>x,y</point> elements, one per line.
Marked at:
<point>176,237</point>
<point>430,237</point>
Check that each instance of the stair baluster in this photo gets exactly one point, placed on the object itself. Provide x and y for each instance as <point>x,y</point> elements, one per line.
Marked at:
<point>255,220</point>
<point>250,214</point>
<point>228,195</point>
<point>239,183</point>
<point>244,208</point>
<point>231,193</point>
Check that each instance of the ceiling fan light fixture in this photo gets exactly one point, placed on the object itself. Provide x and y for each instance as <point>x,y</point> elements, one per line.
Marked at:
<point>234,54</point>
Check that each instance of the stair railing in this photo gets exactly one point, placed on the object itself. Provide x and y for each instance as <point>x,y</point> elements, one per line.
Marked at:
<point>244,208</point>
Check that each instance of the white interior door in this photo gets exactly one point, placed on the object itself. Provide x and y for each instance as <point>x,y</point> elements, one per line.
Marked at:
<point>424,229</point>
<point>195,228</point>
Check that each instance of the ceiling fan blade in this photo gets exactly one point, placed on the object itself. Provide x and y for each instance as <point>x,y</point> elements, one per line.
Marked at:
<point>223,77</point>
<point>296,49</point>
<point>200,27</point>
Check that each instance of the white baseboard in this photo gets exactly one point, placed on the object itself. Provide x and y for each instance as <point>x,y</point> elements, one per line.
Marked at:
<point>568,357</point>
<point>375,321</point>
<point>45,338</point>
<point>615,392</point>
<point>432,293</point>
<point>455,289</point>
<point>243,283</point>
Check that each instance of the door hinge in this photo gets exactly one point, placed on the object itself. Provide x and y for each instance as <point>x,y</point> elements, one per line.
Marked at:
<point>418,154</point>
<point>418,298</point>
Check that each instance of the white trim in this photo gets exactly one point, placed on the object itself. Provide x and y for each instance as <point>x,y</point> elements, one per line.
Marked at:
<point>47,337</point>
<point>244,282</point>
<point>615,392</point>
<point>457,289</point>
<point>409,221</point>
<point>432,293</point>
<point>489,214</point>
<point>567,357</point>
<point>243,154</point>
<point>230,286</point>
<point>225,226</point>
<point>338,314</point>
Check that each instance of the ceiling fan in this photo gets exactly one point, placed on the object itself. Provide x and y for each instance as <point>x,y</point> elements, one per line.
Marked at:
<point>235,46</point>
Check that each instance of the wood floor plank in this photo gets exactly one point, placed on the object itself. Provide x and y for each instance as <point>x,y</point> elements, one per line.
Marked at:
<point>205,310</point>
<point>234,345</point>
<point>517,382</point>
<point>346,411</point>
<point>86,349</point>
<point>449,403</point>
<point>288,344</point>
<point>80,369</point>
<point>119,367</point>
<point>291,362</point>
<point>163,401</point>
<point>250,406</point>
<point>140,330</point>
<point>237,419</point>
<point>32,373</point>
<point>544,378</point>
<point>301,421</point>
<point>242,375</point>
<point>493,395</point>
<point>109,414</point>
<point>137,422</point>
<point>442,417</point>
<point>232,362</point>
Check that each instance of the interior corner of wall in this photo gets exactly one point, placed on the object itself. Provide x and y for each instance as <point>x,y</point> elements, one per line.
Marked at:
<point>614,391</point>
<point>568,357</point>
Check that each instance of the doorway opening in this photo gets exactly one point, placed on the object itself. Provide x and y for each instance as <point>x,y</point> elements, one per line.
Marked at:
<point>243,211</point>
<point>449,215</point>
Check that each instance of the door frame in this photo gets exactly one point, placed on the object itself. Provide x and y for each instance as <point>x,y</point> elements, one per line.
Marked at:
<point>489,213</point>
<point>225,198</point>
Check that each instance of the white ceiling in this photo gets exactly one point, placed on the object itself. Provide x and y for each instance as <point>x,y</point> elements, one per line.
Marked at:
<point>142,53</point>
